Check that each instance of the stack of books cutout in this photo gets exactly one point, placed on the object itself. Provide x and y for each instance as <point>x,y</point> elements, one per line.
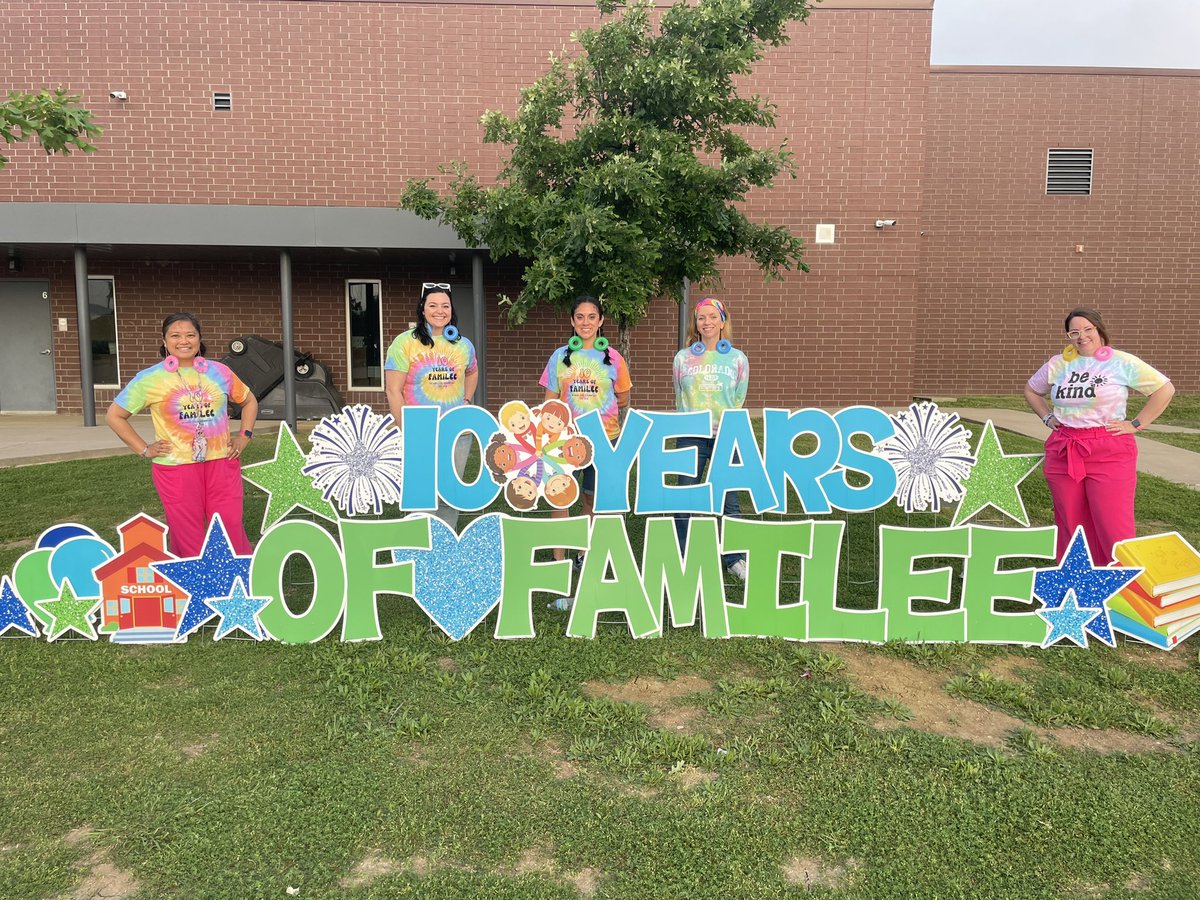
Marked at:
<point>1162,605</point>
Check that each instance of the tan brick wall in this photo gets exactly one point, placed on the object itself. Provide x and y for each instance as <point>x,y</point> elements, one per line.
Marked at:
<point>1000,268</point>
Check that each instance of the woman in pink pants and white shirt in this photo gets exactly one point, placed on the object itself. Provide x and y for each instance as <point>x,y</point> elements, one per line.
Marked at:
<point>1091,455</point>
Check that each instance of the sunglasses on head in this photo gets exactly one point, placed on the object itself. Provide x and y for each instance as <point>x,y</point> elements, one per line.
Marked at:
<point>434,286</point>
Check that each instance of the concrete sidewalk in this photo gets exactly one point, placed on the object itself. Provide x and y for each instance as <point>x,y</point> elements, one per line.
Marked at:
<point>1154,457</point>
<point>31,439</point>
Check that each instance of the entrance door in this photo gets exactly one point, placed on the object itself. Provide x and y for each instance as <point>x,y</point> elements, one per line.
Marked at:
<point>26,351</point>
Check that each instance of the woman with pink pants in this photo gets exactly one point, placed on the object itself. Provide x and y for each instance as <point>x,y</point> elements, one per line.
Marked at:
<point>1091,455</point>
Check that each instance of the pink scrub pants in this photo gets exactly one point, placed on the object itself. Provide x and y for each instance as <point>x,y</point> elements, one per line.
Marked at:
<point>1092,475</point>
<point>192,494</point>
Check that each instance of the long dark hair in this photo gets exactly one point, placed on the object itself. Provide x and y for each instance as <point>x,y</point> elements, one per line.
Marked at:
<point>579,301</point>
<point>421,332</point>
<point>181,317</point>
<point>1092,316</point>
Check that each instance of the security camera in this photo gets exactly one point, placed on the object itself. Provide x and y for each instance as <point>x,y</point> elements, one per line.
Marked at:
<point>118,95</point>
<point>879,223</point>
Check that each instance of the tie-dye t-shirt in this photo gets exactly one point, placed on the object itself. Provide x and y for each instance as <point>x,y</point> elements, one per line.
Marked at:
<point>714,381</point>
<point>589,384</point>
<point>184,402</point>
<point>1088,393</point>
<point>437,374</point>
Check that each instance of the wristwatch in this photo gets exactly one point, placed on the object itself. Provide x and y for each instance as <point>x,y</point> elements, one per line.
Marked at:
<point>246,432</point>
<point>1046,419</point>
<point>1137,424</point>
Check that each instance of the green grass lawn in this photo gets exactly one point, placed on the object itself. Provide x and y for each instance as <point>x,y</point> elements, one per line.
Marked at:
<point>672,767</point>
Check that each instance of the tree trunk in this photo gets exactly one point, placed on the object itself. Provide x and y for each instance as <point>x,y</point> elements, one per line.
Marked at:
<point>624,336</point>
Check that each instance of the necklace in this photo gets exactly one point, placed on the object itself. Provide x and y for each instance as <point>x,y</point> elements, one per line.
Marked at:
<point>196,395</point>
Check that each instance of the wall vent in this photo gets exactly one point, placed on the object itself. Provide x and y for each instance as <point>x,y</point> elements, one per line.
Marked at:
<point>1069,172</point>
<point>222,101</point>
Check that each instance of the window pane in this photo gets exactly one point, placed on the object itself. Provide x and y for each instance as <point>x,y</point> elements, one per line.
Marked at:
<point>103,306</point>
<point>366,362</point>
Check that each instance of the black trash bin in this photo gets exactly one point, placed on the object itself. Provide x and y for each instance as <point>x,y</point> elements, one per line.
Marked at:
<point>259,363</point>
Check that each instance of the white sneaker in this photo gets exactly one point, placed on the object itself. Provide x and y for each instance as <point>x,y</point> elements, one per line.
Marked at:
<point>738,570</point>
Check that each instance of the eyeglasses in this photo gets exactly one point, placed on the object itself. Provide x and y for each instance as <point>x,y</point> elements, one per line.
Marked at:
<point>1076,335</point>
<point>435,286</point>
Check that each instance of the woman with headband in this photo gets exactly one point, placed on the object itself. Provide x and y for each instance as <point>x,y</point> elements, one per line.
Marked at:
<point>433,365</point>
<point>710,374</point>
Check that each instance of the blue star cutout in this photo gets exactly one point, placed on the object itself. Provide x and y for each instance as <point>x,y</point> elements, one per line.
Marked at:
<point>239,611</point>
<point>1092,585</point>
<point>209,575</point>
<point>1068,620</point>
<point>13,611</point>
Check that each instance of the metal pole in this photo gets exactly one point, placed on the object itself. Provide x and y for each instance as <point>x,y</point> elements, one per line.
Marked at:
<point>289,351</point>
<point>480,326</point>
<point>685,312</point>
<point>84,314</point>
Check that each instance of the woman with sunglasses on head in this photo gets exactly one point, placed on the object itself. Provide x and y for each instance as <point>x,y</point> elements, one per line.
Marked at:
<point>433,365</point>
<point>1091,455</point>
<point>710,374</point>
<point>195,461</point>
<point>588,375</point>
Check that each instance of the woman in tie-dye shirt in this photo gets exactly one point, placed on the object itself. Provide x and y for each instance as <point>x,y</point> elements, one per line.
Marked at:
<point>713,379</point>
<point>1091,455</point>
<point>196,462</point>
<point>433,365</point>
<point>588,375</point>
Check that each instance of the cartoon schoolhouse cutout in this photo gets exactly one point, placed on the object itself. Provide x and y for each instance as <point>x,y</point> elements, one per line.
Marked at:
<point>140,606</point>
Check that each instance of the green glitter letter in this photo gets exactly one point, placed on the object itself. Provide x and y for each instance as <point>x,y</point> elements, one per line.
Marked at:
<point>983,585</point>
<point>522,576</point>
<point>826,620</point>
<point>316,545</point>
<point>362,541</point>
<point>762,615</point>
<point>624,593</point>
<point>689,582</point>
<point>899,585</point>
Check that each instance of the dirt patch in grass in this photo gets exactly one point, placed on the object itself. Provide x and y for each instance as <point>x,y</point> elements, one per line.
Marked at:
<point>192,751</point>
<point>658,696</point>
<point>540,861</point>
<point>446,664</point>
<point>102,880</point>
<point>1011,668</point>
<point>549,751</point>
<point>690,777</point>
<point>936,711</point>
<point>1179,659</point>
<point>370,868</point>
<point>808,872</point>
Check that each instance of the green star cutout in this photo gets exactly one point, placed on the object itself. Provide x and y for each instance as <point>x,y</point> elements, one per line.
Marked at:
<point>286,486</point>
<point>994,480</point>
<point>70,613</point>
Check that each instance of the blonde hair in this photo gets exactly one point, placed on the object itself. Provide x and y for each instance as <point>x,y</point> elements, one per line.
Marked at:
<point>513,406</point>
<point>726,328</point>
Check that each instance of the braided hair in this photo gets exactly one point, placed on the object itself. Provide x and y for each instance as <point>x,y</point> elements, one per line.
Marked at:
<point>580,301</point>
<point>421,332</point>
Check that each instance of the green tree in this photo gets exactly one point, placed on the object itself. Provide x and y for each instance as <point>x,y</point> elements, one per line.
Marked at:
<point>640,189</point>
<point>55,119</point>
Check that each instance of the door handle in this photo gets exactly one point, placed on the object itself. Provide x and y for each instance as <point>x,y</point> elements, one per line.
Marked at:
<point>45,353</point>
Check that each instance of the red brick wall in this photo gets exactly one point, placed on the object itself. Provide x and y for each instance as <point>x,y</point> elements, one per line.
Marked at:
<point>340,103</point>
<point>999,266</point>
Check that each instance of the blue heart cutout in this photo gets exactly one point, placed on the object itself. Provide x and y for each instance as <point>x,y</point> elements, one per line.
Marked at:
<point>457,581</point>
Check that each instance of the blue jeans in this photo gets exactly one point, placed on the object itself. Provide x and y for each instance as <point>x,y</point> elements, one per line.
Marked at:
<point>704,449</point>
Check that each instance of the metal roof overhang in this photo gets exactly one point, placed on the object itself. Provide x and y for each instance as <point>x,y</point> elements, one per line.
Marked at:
<point>205,225</point>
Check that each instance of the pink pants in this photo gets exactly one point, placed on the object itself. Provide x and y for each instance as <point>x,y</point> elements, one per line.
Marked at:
<point>192,494</point>
<point>1092,475</point>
